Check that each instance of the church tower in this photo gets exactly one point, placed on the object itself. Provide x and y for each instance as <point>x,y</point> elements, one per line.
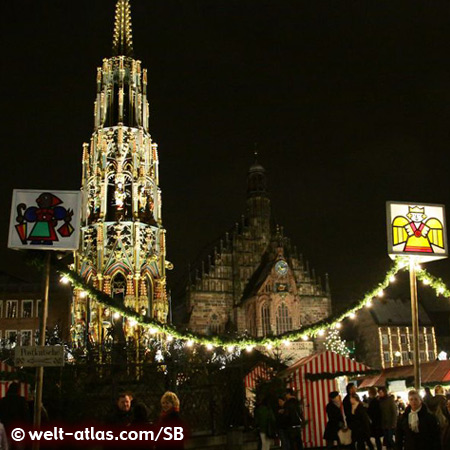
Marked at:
<point>122,250</point>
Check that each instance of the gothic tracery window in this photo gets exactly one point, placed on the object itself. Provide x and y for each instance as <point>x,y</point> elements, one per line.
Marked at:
<point>265,319</point>
<point>119,286</point>
<point>150,297</point>
<point>284,320</point>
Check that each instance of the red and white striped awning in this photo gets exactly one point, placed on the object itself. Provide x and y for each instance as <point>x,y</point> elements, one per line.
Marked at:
<point>314,392</point>
<point>260,372</point>
<point>6,367</point>
<point>4,385</point>
<point>326,363</point>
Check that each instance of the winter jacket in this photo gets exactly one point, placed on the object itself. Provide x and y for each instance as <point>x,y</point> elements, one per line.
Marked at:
<point>335,422</point>
<point>13,410</point>
<point>374,411</point>
<point>359,424</point>
<point>265,420</point>
<point>389,412</point>
<point>428,437</point>
<point>445,438</point>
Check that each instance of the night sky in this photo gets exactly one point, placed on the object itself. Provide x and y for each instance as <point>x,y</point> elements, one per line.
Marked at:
<point>348,103</point>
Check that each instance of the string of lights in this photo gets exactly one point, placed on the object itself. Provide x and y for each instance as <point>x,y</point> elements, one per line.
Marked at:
<point>230,343</point>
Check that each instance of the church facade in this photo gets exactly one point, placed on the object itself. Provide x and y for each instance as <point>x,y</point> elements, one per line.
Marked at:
<point>122,250</point>
<point>255,282</point>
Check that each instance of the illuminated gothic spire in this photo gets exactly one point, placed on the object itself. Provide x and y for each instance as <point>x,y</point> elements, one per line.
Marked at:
<point>122,39</point>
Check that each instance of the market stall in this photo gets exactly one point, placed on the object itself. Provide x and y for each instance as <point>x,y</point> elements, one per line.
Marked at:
<point>7,377</point>
<point>399,380</point>
<point>313,378</point>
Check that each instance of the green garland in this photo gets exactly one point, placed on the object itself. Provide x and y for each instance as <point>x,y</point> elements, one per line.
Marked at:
<point>331,376</point>
<point>248,343</point>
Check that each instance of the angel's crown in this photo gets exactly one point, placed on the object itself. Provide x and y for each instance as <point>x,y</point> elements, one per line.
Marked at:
<point>416,209</point>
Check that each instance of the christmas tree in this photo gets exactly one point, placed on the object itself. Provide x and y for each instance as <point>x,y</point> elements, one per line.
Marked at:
<point>334,343</point>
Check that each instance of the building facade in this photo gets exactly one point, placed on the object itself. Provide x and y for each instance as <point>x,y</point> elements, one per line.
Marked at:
<point>255,282</point>
<point>384,337</point>
<point>20,311</point>
<point>122,249</point>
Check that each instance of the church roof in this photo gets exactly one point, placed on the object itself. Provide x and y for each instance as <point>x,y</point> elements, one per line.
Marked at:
<point>396,312</point>
<point>258,278</point>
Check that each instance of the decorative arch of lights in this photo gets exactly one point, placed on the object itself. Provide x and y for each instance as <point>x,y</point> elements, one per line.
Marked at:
<point>170,333</point>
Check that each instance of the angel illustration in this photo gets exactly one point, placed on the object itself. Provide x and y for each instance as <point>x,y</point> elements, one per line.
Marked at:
<point>417,233</point>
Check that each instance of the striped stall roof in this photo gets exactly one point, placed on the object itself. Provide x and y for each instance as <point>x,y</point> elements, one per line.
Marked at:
<point>432,372</point>
<point>314,394</point>
<point>4,385</point>
<point>6,367</point>
<point>259,372</point>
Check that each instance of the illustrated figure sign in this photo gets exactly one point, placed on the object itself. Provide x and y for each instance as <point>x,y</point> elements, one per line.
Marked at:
<point>418,232</point>
<point>38,225</point>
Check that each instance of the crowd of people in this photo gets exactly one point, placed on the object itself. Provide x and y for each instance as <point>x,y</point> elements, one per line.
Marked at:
<point>126,412</point>
<point>382,420</point>
<point>285,423</point>
<point>379,421</point>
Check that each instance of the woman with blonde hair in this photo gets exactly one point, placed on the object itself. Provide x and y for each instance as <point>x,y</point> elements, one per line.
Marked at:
<point>170,416</point>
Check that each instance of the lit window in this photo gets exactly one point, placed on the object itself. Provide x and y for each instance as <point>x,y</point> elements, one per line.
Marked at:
<point>284,320</point>
<point>385,339</point>
<point>405,357</point>
<point>27,308</point>
<point>387,356</point>
<point>10,338</point>
<point>431,356</point>
<point>265,318</point>
<point>403,339</point>
<point>11,309</point>
<point>26,337</point>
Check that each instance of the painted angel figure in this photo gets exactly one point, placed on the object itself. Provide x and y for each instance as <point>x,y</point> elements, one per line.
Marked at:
<point>418,233</point>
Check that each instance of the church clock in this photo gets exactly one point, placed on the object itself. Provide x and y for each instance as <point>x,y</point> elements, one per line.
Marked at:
<point>281,267</point>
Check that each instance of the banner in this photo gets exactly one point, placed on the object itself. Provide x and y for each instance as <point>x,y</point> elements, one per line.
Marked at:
<point>45,220</point>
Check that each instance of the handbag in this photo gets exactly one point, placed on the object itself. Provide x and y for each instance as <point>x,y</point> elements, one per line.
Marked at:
<point>345,436</point>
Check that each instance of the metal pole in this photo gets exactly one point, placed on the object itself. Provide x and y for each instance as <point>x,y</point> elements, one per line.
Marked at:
<point>415,321</point>
<point>42,330</point>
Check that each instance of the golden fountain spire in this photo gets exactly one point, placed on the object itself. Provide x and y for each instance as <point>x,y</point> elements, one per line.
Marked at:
<point>122,39</point>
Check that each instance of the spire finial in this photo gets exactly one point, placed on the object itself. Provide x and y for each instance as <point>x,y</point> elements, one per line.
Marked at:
<point>122,38</point>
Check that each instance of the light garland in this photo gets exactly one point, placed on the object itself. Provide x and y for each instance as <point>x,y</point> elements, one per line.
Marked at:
<point>247,343</point>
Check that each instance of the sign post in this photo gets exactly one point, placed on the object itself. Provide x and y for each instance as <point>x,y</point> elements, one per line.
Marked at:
<point>416,232</point>
<point>43,220</point>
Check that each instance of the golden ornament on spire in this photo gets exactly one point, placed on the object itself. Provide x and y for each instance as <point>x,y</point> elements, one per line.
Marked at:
<point>122,39</point>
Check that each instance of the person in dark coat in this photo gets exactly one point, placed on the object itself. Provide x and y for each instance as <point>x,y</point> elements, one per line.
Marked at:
<point>359,424</point>
<point>446,430</point>
<point>428,398</point>
<point>13,408</point>
<point>417,429</point>
<point>389,416</point>
<point>374,412</point>
<point>282,422</point>
<point>295,419</point>
<point>335,419</point>
<point>439,406</point>
<point>351,390</point>
<point>122,414</point>
<point>265,422</point>
<point>14,412</point>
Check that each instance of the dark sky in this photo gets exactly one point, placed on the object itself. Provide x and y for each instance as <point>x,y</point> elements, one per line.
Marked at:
<point>348,102</point>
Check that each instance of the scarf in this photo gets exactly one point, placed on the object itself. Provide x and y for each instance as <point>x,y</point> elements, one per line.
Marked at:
<point>413,420</point>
